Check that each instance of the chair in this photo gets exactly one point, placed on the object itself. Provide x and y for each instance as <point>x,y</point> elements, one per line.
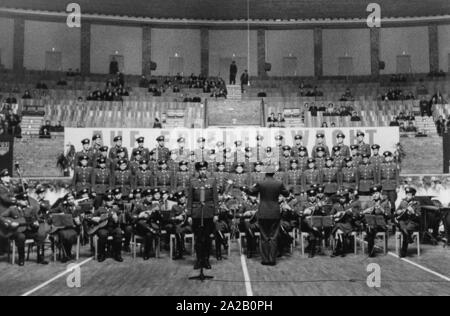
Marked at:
<point>59,246</point>
<point>28,242</point>
<point>156,244</point>
<point>399,242</point>
<point>173,241</point>
<point>382,235</point>
<point>241,240</point>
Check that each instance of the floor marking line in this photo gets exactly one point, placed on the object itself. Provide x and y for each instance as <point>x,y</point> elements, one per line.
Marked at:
<point>421,267</point>
<point>248,284</point>
<point>67,271</point>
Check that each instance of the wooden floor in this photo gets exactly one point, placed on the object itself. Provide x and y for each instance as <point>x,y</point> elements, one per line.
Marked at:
<point>293,275</point>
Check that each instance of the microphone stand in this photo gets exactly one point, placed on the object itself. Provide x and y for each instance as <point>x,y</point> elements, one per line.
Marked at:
<point>202,277</point>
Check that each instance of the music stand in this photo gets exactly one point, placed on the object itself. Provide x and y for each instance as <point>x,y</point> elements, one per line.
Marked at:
<point>202,277</point>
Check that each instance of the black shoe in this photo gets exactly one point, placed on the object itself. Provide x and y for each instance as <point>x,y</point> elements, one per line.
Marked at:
<point>146,257</point>
<point>311,255</point>
<point>42,261</point>
<point>118,258</point>
<point>265,263</point>
<point>21,262</point>
<point>249,255</point>
<point>207,265</point>
<point>179,256</point>
<point>101,258</point>
<point>335,254</point>
<point>65,259</point>
<point>218,256</point>
<point>197,265</point>
<point>272,264</point>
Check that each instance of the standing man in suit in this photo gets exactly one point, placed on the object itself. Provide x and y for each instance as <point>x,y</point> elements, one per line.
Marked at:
<point>233,72</point>
<point>269,214</point>
<point>244,80</point>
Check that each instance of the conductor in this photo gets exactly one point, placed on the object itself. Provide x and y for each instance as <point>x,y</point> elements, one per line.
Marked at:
<point>269,214</point>
<point>202,208</point>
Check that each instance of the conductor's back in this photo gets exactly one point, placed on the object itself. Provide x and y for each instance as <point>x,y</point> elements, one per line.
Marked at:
<point>269,190</point>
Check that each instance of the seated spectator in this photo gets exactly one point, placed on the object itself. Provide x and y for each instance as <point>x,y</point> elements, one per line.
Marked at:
<point>61,82</point>
<point>395,123</point>
<point>313,109</point>
<point>440,125</point>
<point>402,117</point>
<point>411,128</point>
<point>322,108</point>
<point>206,88</point>
<point>333,125</point>
<point>422,90</point>
<point>41,86</point>
<point>410,96</point>
<point>402,127</point>
<point>280,120</point>
<point>11,99</point>
<point>330,109</point>
<point>157,123</point>
<point>143,82</point>
<point>58,128</point>
<point>44,131</point>
<point>410,117</point>
<point>355,117</point>
<point>347,96</point>
<point>344,111</point>
<point>425,108</point>
<point>324,125</point>
<point>272,120</point>
<point>176,89</point>
<point>27,95</point>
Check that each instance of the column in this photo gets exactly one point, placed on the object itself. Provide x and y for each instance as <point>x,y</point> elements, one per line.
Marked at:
<point>261,48</point>
<point>375,51</point>
<point>204,52</point>
<point>318,53</point>
<point>19,44</point>
<point>85,46</point>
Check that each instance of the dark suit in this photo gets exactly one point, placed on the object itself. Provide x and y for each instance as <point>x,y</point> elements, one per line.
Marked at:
<point>269,216</point>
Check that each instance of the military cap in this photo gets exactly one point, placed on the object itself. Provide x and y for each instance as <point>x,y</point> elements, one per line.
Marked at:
<point>40,190</point>
<point>238,143</point>
<point>140,140</point>
<point>86,141</point>
<point>298,137</point>
<point>360,134</point>
<point>302,148</point>
<point>348,159</point>
<point>147,192</point>
<point>162,162</point>
<point>365,156</point>
<point>320,135</point>
<point>137,153</point>
<point>387,154</point>
<point>117,138</point>
<point>354,147</point>
<point>155,191</point>
<point>96,136</point>
<point>376,189</point>
<point>84,157</point>
<point>83,191</point>
<point>311,192</point>
<point>320,189</point>
<point>192,153</point>
<point>286,148</point>
<point>329,159</point>
<point>181,140</point>
<point>248,149</point>
<point>259,137</point>
<point>117,191</point>
<point>183,163</point>
<point>160,138</point>
<point>4,173</point>
<point>120,150</point>
<point>336,149</point>
<point>259,163</point>
<point>179,195</point>
<point>279,137</point>
<point>201,140</point>
<point>269,149</point>
<point>340,135</point>
<point>101,160</point>
<point>293,161</point>
<point>411,190</point>
<point>212,151</point>
<point>239,165</point>
<point>104,149</point>
<point>375,147</point>
<point>122,162</point>
<point>320,149</point>
<point>108,198</point>
<point>311,160</point>
<point>137,191</point>
<point>22,196</point>
<point>143,162</point>
<point>201,165</point>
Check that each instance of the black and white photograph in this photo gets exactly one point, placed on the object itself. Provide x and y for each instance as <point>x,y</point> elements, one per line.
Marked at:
<point>216,155</point>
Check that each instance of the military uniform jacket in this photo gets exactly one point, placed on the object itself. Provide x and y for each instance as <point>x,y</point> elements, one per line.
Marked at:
<point>173,166</point>
<point>6,196</point>
<point>296,153</point>
<point>339,162</point>
<point>285,164</point>
<point>113,152</point>
<point>114,165</point>
<point>125,180</point>
<point>181,181</point>
<point>345,150</point>
<point>240,180</point>
<point>201,154</point>
<point>356,160</point>
<point>221,179</point>
<point>105,210</point>
<point>389,176</point>
<point>82,178</point>
<point>350,177</point>
<point>144,179</point>
<point>367,177</point>
<point>303,163</point>
<point>280,176</point>
<point>294,181</point>
<point>145,152</point>
<point>134,166</point>
<point>101,180</point>
<point>108,163</point>
<point>210,207</point>
<point>256,177</point>
<point>229,165</point>
<point>331,179</point>
<point>320,163</point>
<point>182,154</point>
<point>376,162</point>
<point>311,177</point>
<point>163,179</point>
<point>161,153</point>
<point>212,165</point>
<point>408,217</point>
<point>25,216</point>
<point>153,166</point>
<point>315,208</point>
<point>239,156</point>
<point>381,208</point>
<point>269,191</point>
<point>365,149</point>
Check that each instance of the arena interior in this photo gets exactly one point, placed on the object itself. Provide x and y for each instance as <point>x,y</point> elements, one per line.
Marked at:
<point>284,148</point>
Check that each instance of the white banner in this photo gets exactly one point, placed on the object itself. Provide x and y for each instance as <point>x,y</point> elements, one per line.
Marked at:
<point>386,137</point>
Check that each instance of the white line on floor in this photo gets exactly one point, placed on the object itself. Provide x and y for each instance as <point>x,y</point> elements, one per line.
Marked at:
<point>421,267</point>
<point>57,277</point>
<point>248,284</point>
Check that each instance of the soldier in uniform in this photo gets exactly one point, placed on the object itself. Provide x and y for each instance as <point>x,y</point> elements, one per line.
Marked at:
<point>144,177</point>
<point>173,164</point>
<point>44,205</point>
<point>259,150</point>
<point>350,176</point>
<point>179,224</point>
<point>343,218</point>
<point>83,174</point>
<point>311,176</point>
<point>355,155</point>
<point>152,163</point>
<point>163,178</point>
<point>250,160</point>
<point>278,149</point>
<point>110,214</point>
<point>285,162</point>
<point>294,178</point>
<point>220,152</point>
<point>135,162</point>
<point>201,154</point>
<point>344,150</point>
<point>228,205</point>
<point>367,176</point>
<point>239,179</point>
<point>103,153</point>
<point>182,152</point>
<point>311,208</point>
<point>380,207</point>
<point>320,157</point>
<point>101,180</point>
<point>338,158</point>
<point>123,178</point>
<point>239,154</point>
<point>23,221</point>
<point>181,178</point>
<point>97,143</point>
<point>221,176</point>
<point>67,236</point>
<point>192,162</point>
<point>86,151</point>
<point>302,158</point>
<point>331,177</point>
<point>271,159</point>
<point>229,160</point>
<point>202,207</point>
<point>289,220</point>
<point>389,179</point>
<point>120,155</point>
<point>117,145</point>
<point>408,217</point>
<point>161,151</point>
<point>364,149</point>
<point>248,223</point>
<point>7,197</point>
<point>145,152</point>
<point>257,175</point>
<point>376,160</point>
<point>320,137</point>
<point>298,146</point>
<point>212,161</point>
<point>279,175</point>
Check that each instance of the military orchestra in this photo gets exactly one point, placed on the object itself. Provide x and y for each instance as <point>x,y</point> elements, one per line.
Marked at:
<point>154,194</point>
